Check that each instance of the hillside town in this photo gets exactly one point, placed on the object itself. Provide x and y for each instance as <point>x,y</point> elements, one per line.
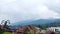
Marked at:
<point>29,29</point>
<point>29,16</point>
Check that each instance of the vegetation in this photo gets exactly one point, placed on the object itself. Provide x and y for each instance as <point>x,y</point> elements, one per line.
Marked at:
<point>1,31</point>
<point>7,33</point>
<point>32,32</point>
<point>44,26</point>
<point>55,24</point>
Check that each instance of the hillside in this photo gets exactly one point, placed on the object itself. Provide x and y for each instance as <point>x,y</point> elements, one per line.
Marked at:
<point>38,22</point>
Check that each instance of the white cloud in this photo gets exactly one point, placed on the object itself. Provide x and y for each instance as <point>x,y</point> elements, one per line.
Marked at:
<point>19,10</point>
<point>46,13</point>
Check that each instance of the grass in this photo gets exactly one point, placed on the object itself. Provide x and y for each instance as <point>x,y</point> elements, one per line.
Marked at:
<point>7,33</point>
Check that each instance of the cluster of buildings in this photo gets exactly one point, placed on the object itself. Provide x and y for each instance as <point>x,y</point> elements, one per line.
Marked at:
<point>4,29</point>
<point>35,30</point>
<point>54,29</point>
<point>29,29</point>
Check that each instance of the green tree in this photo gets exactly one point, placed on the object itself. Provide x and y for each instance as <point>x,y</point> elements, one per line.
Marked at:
<point>1,31</point>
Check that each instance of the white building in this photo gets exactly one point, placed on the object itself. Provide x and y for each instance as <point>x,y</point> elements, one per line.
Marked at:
<point>55,29</point>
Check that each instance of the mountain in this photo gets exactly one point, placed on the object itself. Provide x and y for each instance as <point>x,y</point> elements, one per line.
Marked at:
<point>21,22</point>
<point>54,24</point>
<point>45,21</point>
<point>40,21</point>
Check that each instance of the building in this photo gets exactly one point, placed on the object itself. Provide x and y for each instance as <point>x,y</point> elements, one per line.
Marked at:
<point>55,29</point>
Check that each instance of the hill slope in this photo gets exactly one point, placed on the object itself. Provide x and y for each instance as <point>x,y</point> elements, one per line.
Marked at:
<point>40,21</point>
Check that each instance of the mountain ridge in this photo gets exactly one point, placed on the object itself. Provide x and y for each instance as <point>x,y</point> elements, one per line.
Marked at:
<point>39,21</point>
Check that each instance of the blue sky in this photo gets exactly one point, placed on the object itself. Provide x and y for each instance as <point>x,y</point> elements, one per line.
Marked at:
<point>19,10</point>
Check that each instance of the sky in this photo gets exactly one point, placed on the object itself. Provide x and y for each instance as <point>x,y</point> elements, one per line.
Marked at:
<point>20,10</point>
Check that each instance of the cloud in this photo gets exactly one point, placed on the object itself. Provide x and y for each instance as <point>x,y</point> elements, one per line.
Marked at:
<point>19,10</point>
<point>54,5</point>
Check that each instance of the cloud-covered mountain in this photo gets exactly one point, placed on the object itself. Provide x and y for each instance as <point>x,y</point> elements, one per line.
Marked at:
<point>39,22</point>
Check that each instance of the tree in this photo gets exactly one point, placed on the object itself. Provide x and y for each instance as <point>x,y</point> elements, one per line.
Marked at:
<point>5,24</point>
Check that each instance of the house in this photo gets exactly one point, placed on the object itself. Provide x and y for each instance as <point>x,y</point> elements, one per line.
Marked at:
<point>55,29</point>
<point>27,29</point>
